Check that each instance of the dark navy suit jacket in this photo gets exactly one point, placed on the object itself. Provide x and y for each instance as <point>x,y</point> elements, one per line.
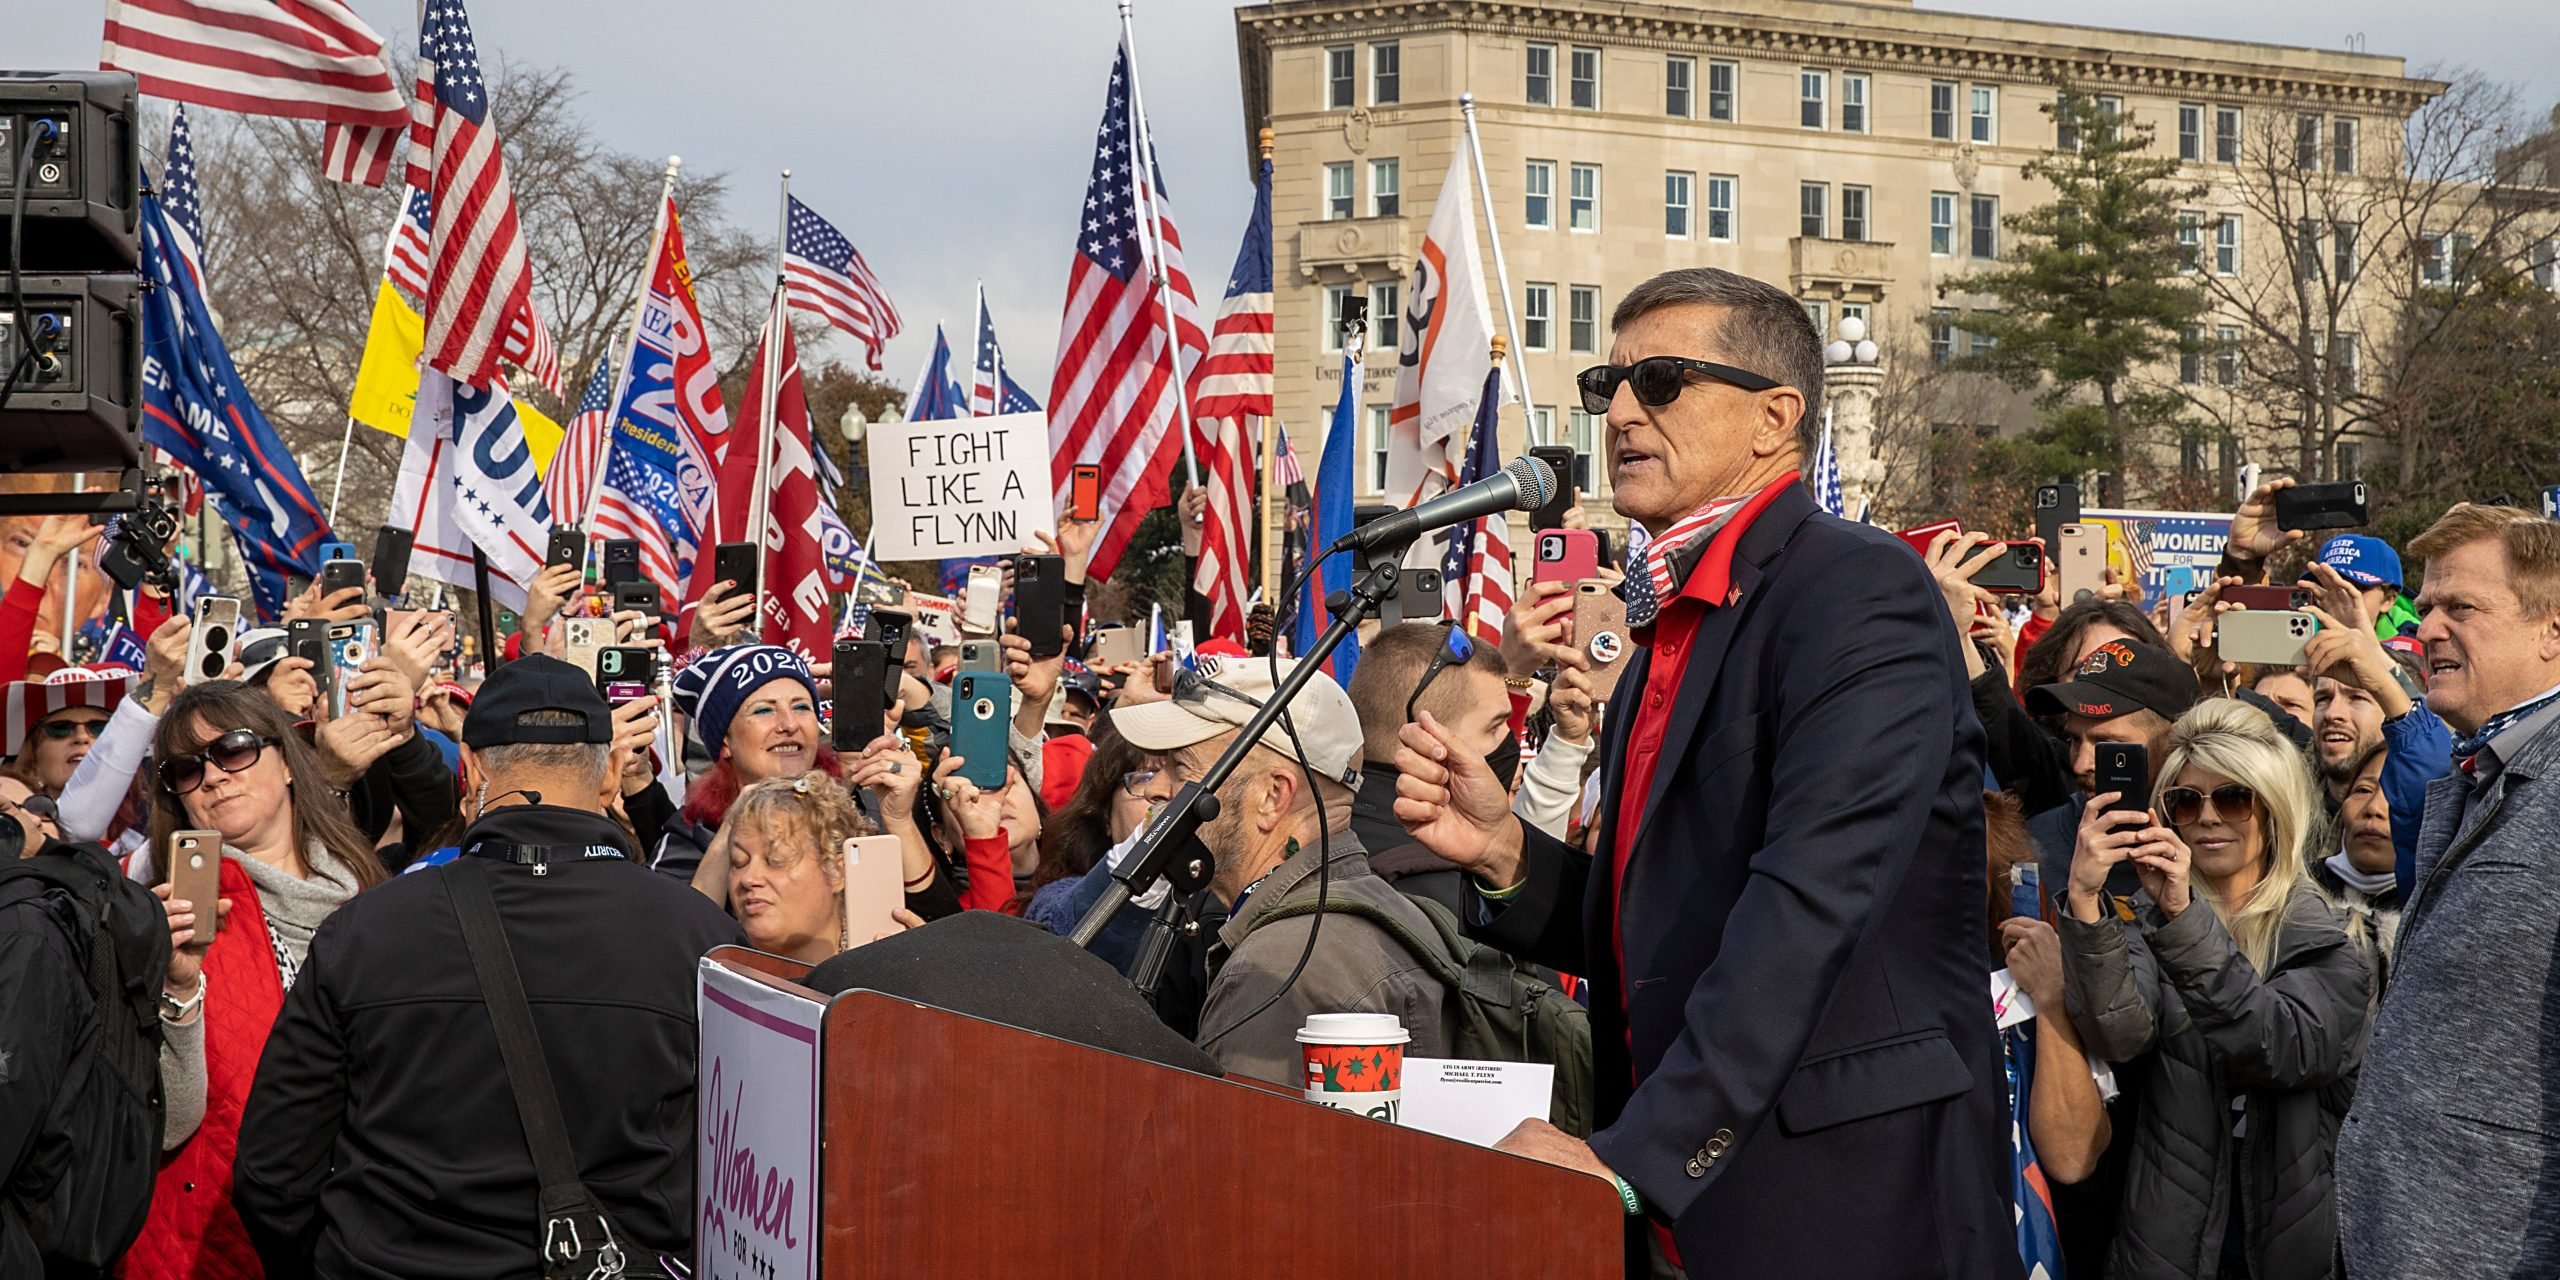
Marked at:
<point>1804,993</point>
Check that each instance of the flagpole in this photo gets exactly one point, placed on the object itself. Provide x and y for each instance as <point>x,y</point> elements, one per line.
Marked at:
<point>1142,170</point>
<point>769,432</point>
<point>1265,542</point>
<point>1501,272</point>
<point>630,339</point>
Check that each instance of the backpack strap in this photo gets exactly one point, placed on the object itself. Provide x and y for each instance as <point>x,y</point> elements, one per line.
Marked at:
<point>565,1200</point>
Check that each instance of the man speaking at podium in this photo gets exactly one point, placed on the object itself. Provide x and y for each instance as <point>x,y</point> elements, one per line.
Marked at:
<point>1781,913</point>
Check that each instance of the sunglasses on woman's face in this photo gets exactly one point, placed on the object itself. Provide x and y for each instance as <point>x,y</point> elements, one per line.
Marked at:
<point>61,730</point>
<point>1658,381</point>
<point>2231,802</point>
<point>233,752</point>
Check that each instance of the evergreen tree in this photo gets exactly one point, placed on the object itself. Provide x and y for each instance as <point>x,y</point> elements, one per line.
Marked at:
<point>2091,294</point>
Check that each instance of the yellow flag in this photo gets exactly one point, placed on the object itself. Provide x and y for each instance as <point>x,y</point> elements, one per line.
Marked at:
<point>386,394</point>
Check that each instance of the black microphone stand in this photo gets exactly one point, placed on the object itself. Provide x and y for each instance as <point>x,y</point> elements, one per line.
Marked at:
<point>1170,847</point>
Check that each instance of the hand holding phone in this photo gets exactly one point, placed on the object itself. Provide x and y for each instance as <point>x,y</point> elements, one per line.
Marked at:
<point>1566,555</point>
<point>1084,492</point>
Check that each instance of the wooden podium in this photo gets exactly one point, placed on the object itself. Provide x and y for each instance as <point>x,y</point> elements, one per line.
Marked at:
<point>944,1145</point>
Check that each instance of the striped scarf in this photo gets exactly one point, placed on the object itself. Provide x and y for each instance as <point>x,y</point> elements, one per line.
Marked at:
<point>1670,556</point>
<point>2465,748</point>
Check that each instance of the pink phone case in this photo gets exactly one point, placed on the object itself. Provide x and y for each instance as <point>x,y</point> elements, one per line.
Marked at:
<point>874,886</point>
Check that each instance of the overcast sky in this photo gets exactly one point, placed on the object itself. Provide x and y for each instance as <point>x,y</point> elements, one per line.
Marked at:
<point>951,139</point>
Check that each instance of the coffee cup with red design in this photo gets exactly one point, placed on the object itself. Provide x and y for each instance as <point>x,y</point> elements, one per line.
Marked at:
<point>1355,1062</point>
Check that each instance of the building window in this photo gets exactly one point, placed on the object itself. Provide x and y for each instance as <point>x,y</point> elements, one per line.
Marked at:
<point>1538,317</point>
<point>1942,335</point>
<point>1338,77</point>
<point>1582,318</point>
<point>2432,267</point>
<point>1540,182</point>
<point>1679,87</point>
<point>2190,360</point>
<point>1378,437</point>
<point>1819,312</point>
<point>2226,135</point>
<point>1386,79</point>
<point>2463,258</point>
<point>1586,79</point>
<point>2227,451</point>
<point>1986,110</point>
<point>2191,131</point>
<point>2190,455</point>
<point>1541,90</point>
<point>1853,213</point>
<point>2350,460</point>
<point>2110,116</point>
<point>2306,142</point>
<point>1942,110</point>
<point>1582,203</point>
<point>2226,245</point>
<point>2341,359</point>
<point>2546,265</point>
<point>2306,236</point>
<point>1386,310</point>
<point>2342,144</point>
<point>2066,127</point>
<point>1721,77</point>
<point>1978,345</point>
<point>1337,299</point>
<point>1677,188</point>
<point>1542,422</point>
<point>1582,432</point>
<point>1813,210</point>
<point>1814,94</point>
<point>1384,182</point>
<point>1720,189</point>
<point>2226,355</point>
<point>2190,241</point>
<point>1986,226</point>
<point>1337,191</point>
<point>1853,102</point>
<point>2342,251</point>
<point>1942,224</point>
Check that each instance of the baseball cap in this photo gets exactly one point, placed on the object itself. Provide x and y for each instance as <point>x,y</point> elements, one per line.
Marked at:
<point>2360,558</point>
<point>1218,695</point>
<point>536,683</point>
<point>260,650</point>
<point>1077,681</point>
<point>2117,678</point>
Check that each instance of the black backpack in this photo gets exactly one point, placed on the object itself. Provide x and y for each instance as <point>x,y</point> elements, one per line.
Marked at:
<point>1506,1012</point>
<point>83,1187</point>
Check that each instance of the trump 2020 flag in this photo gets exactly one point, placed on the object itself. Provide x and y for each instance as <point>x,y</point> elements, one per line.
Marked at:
<point>1441,351</point>
<point>196,410</point>
<point>669,431</point>
<point>1333,481</point>
<point>468,480</point>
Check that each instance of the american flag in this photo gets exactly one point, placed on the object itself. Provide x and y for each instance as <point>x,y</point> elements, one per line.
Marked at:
<point>300,59</point>
<point>830,280</point>
<point>181,199</point>
<point>1826,472</point>
<point>1478,571</point>
<point>1112,402</point>
<point>1230,393</point>
<point>1298,524</point>
<point>992,390</point>
<point>527,345</point>
<point>572,477</point>
<point>479,280</point>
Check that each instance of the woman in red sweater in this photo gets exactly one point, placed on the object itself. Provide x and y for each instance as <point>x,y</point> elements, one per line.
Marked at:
<point>41,553</point>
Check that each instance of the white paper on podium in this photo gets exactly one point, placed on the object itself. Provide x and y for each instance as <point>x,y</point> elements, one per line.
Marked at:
<point>1476,1102</point>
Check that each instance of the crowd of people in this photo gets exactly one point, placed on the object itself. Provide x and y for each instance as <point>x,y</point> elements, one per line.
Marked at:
<point>2288,994</point>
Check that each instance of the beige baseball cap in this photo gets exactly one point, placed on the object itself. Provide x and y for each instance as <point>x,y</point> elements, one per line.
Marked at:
<point>1223,693</point>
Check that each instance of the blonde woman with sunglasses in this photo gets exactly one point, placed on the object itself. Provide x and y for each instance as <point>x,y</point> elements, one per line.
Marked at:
<point>2229,982</point>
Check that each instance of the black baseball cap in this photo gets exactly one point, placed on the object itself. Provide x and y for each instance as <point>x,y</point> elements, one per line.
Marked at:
<point>2118,678</point>
<point>536,683</point>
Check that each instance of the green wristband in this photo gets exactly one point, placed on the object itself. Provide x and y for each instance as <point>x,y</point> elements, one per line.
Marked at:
<point>1491,894</point>
<point>1635,1203</point>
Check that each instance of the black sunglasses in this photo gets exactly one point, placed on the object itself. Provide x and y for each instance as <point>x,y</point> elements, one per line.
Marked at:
<point>1658,380</point>
<point>2186,804</point>
<point>61,730</point>
<point>233,752</point>
<point>1192,686</point>
<point>1457,648</point>
<point>36,805</point>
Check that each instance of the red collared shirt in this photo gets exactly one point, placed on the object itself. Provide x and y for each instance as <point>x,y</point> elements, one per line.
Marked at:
<point>1672,636</point>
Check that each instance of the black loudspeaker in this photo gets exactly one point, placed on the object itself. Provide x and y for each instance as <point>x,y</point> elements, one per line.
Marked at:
<point>82,210</point>
<point>79,407</point>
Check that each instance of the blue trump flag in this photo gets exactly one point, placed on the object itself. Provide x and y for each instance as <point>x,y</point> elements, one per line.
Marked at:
<point>938,394</point>
<point>1333,482</point>
<point>196,410</point>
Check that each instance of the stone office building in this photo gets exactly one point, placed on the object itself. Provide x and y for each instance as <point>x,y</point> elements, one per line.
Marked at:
<point>1860,154</point>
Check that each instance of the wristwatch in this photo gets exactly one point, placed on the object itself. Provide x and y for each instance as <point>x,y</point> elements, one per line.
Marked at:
<point>174,1010</point>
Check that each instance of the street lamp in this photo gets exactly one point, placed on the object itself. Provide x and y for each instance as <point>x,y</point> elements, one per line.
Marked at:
<point>853,424</point>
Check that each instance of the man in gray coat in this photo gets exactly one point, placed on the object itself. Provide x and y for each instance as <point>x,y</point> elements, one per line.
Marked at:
<point>1272,833</point>
<point>2449,1164</point>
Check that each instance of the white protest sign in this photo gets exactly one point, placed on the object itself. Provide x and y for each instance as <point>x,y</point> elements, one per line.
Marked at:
<point>756,1164</point>
<point>937,618</point>
<point>952,487</point>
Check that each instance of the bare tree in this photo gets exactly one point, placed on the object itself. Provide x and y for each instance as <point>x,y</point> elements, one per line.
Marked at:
<point>1931,428</point>
<point>2370,225</point>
